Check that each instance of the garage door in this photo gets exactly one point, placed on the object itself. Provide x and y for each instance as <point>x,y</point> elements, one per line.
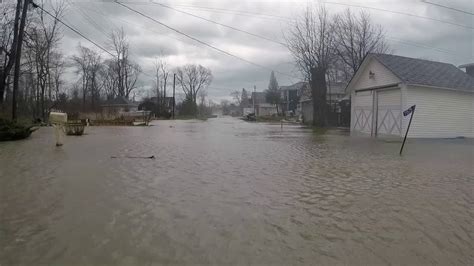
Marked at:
<point>389,117</point>
<point>363,111</point>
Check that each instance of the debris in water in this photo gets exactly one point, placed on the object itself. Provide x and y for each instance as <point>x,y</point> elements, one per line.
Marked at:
<point>134,157</point>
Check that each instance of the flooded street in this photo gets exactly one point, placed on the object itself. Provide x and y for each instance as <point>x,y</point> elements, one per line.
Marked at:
<point>226,191</point>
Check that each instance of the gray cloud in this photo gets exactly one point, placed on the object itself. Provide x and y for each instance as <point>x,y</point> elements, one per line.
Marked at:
<point>409,36</point>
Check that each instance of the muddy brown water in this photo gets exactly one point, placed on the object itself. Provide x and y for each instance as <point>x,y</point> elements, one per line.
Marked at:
<point>226,192</point>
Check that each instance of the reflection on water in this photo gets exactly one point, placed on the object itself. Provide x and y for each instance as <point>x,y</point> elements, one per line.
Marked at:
<point>230,192</point>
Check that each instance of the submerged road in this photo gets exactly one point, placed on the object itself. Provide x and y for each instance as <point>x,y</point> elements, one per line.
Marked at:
<point>225,192</point>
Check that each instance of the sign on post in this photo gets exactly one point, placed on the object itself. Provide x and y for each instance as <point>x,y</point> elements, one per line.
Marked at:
<point>407,112</point>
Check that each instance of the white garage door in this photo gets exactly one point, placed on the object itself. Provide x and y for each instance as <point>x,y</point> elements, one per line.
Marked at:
<point>363,111</point>
<point>388,112</point>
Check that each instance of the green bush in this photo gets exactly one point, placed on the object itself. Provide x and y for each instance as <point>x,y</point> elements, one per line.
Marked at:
<point>10,130</point>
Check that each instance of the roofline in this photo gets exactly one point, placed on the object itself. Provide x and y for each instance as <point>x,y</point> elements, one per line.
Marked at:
<point>364,63</point>
<point>354,75</point>
<point>387,67</point>
<point>391,85</point>
<point>411,84</point>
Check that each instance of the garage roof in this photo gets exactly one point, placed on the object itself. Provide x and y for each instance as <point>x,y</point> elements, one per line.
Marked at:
<point>428,73</point>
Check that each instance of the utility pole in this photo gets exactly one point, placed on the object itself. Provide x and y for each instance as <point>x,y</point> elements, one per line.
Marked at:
<point>157,92</point>
<point>16,73</point>
<point>253,99</point>
<point>174,86</point>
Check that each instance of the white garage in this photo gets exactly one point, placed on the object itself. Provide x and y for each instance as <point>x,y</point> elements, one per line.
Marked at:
<point>386,85</point>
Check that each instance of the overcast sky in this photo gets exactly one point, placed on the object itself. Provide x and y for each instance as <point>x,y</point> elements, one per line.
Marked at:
<point>408,35</point>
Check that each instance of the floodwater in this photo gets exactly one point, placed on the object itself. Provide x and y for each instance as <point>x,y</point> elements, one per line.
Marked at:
<point>226,192</point>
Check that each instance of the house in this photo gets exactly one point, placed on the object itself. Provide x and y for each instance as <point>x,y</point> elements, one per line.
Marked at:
<point>261,106</point>
<point>290,96</point>
<point>386,85</point>
<point>117,106</point>
<point>338,114</point>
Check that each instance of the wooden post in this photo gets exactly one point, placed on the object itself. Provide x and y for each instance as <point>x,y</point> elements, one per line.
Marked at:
<point>174,86</point>
<point>409,124</point>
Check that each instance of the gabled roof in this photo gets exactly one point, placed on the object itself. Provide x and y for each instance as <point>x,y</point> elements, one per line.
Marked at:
<point>422,72</point>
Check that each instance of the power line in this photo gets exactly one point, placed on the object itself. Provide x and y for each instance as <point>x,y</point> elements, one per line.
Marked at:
<point>239,11</point>
<point>103,31</point>
<point>418,45</point>
<point>424,46</point>
<point>269,16</point>
<point>201,42</point>
<point>92,22</point>
<point>82,35</point>
<point>218,23</point>
<point>400,13</point>
<point>71,28</point>
<point>447,7</point>
<point>343,4</point>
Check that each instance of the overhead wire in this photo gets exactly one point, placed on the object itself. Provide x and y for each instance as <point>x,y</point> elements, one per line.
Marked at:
<point>447,7</point>
<point>405,42</point>
<point>221,24</point>
<point>400,13</point>
<point>202,42</point>
<point>71,28</point>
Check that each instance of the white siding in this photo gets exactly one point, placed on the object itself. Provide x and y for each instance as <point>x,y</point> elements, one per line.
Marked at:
<point>361,112</point>
<point>389,112</point>
<point>439,113</point>
<point>382,76</point>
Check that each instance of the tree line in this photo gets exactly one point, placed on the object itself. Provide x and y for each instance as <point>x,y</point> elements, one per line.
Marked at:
<point>326,48</point>
<point>331,46</point>
<point>33,69</point>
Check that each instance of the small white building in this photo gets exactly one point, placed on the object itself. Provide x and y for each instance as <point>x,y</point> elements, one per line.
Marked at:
<point>386,85</point>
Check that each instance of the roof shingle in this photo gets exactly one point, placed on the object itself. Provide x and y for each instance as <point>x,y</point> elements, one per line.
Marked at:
<point>424,72</point>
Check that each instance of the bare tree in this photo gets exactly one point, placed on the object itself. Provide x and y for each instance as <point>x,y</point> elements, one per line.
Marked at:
<point>311,42</point>
<point>8,38</point>
<point>164,73</point>
<point>88,66</point>
<point>356,37</point>
<point>237,97</point>
<point>202,101</point>
<point>108,78</point>
<point>42,39</point>
<point>127,71</point>
<point>58,67</point>
<point>121,46</point>
<point>130,77</point>
<point>193,78</point>
<point>161,84</point>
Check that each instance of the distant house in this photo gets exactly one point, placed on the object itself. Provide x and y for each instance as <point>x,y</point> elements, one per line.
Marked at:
<point>117,106</point>
<point>166,102</point>
<point>290,96</point>
<point>386,85</point>
<point>335,99</point>
<point>261,106</point>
